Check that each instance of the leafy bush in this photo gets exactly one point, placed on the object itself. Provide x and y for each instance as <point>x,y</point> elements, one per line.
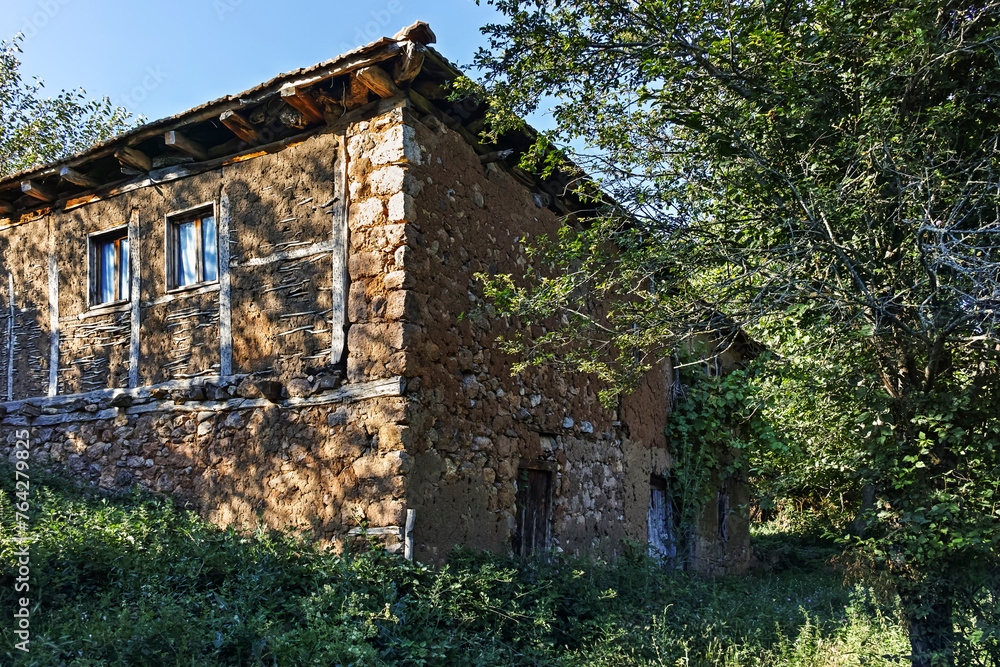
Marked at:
<point>137,580</point>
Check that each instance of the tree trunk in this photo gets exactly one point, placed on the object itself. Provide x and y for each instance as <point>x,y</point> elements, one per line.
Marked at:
<point>861,521</point>
<point>932,630</point>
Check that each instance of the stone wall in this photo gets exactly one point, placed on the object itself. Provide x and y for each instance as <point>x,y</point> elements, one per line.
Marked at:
<point>321,463</point>
<point>474,424</point>
<point>300,438</point>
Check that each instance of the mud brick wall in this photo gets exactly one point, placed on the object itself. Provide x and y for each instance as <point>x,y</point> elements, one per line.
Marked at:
<point>473,424</point>
<point>24,264</point>
<point>297,439</point>
<point>280,205</point>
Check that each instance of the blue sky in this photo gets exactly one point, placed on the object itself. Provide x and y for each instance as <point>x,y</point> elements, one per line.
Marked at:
<point>159,58</point>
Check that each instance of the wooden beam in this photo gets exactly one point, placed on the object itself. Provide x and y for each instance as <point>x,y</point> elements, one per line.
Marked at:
<point>76,178</point>
<point>496,156</point>
<point>305,103</point>
<point>418,32</point>
<point>408,67</point>
<point>422,104</point>
<point>175,139</point>
<point>135,158</point>
<point>377,81</point>
<point>340,67</point>
<point>6,207</point>
<point>35,190</point>
<point>240,126</point>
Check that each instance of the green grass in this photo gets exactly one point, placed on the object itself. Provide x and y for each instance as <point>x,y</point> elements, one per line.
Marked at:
<point>137,581</point>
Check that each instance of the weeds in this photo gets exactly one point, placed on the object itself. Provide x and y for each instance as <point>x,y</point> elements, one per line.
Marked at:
<point>136,580</point>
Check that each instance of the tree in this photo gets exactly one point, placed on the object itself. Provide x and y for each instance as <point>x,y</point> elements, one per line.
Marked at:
<point>826,174</point>
<point>35,130</point>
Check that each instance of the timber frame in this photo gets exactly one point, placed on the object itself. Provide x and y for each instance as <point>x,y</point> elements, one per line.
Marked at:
<point>270,117</point>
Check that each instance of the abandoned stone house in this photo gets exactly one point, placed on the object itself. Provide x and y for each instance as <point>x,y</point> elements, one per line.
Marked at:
<point>261,306</point>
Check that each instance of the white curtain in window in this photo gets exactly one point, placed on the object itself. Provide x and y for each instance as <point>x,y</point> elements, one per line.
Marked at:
<point>187,254</point>
<point>210,247</point>
<point>124,280</point>
<point>106,279</point>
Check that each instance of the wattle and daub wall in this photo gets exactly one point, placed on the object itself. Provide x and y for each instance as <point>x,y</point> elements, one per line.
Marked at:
<point>239,397</point>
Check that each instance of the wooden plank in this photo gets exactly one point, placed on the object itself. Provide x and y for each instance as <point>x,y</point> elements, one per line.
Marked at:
<point>378,531</point>
<point>174,139</point>
<point>10,337</point>
<point>58,420</point>
<point>53,325</point>
<point>97,395</point>
<point>356,94</point>
<point>71,175</point>
<point>37,191</point>
<point>285,255</point>
<point>303,101</point>
<point>377,81</point>
<point>534,512</point>
<point>349,393</point>
<point>6,207</point>
<point>408,67</point>
<point>411,517</point>
<point>338,238</point>
<point>240,126</point>
<point>134,276</point>
<point>225,290</point>
<point>133,157</point>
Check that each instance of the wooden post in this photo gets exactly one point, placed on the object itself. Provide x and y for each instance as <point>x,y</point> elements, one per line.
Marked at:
<point>225,290</point>
<point>411,516</point>
<point>339,254</point>
<point>10,339</point>
<point>53,325</point>
<point>135,270</point>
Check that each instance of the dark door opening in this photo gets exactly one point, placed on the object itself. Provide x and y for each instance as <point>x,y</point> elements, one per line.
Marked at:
<point>534,512</point>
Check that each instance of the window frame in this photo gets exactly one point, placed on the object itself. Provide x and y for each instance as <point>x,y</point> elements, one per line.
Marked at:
<point>173,221</point>
<point>95,241</point>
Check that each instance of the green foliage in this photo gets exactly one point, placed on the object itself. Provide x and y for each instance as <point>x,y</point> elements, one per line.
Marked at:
<point>35,130</point>
<point>136,580</point>
<point>827,175</point>
<point>717,426</point>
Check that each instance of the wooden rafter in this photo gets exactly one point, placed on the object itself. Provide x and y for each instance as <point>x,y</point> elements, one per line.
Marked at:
<point>377,81</point>
<point>408,66</point>
<point>36,191</point>
<point>240,126</point>
<point>76,178</point>
<point>301,100</point>
<point>133,157</point>
<point>175,139</point>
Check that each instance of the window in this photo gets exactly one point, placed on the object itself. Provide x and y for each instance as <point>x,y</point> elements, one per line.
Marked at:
<point>534,511</point>
<point>109,261</point>
<point>192,249</point>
